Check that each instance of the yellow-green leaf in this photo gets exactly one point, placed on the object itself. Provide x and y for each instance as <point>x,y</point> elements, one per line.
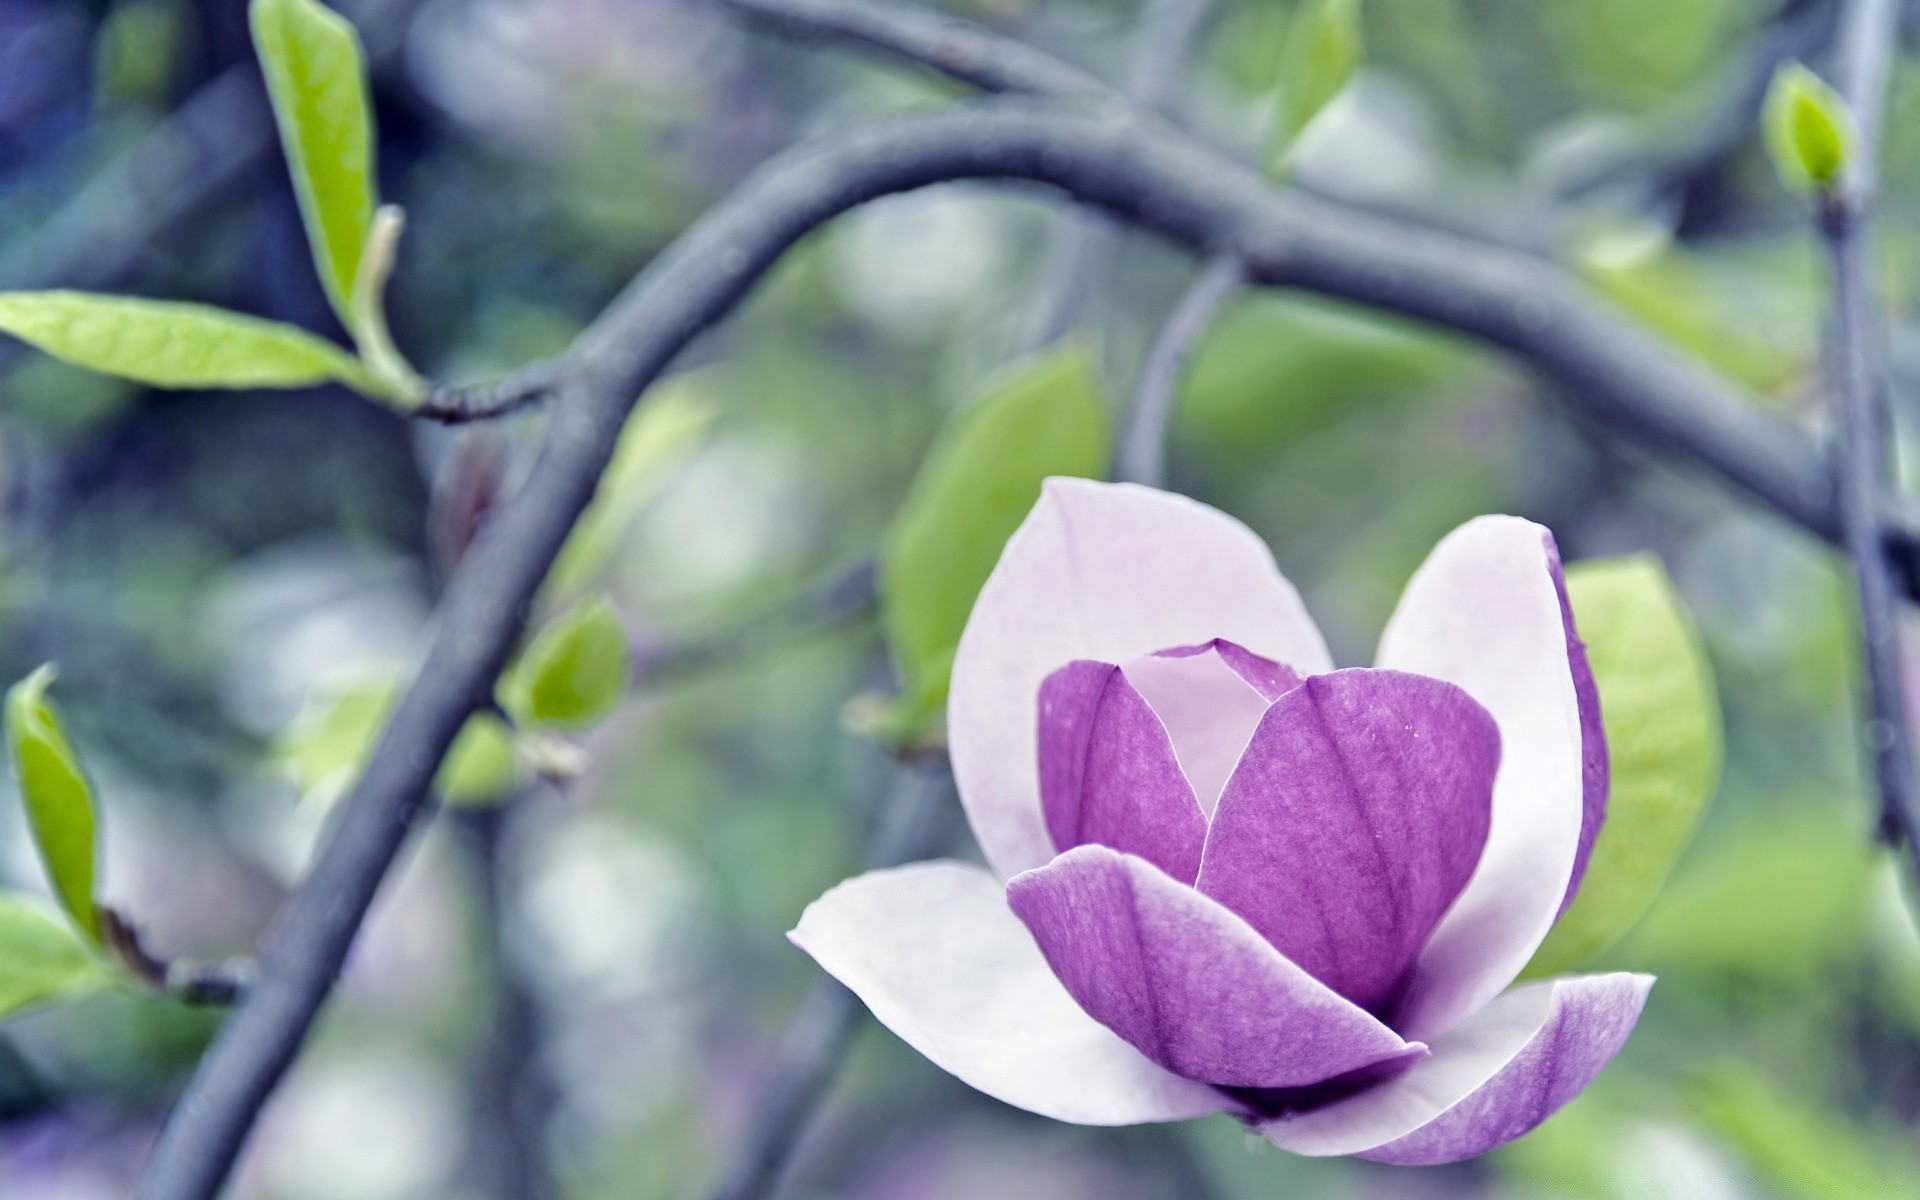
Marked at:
<point>174,345</point>
<point>316,78</point>
<point>58,798</point>
<point>667,426</point>
<point>41,959</point>
<point>1662,719</point>
<point>327,748</point>
<point>1044,417</point>
<point>1323,49</point>
<point>1809,128</point>
<point>573,672</point>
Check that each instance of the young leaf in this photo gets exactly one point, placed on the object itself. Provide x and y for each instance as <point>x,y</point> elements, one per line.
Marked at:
<point>1044,417</point>
<point>58,798</point>
<point>41,959</point>
<point>167,344</point>
<point>1322,50</point>
<point>655,439</point>
<point>1808,126</point>
<point>325,750</point>
<point>1662,721</point>
<point>316,78</point>
<point>572,674</point>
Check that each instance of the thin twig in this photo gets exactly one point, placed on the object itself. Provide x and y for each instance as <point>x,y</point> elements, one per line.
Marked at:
<point>1867,34</point>
<point>910,826</point>
<point>1140,170</point>
<point>845,596</point>
<point>508,1158</point>
<point>945,45</point>
<point>496,398</point>
<point>1143,453</point>
<point>1086,242</point>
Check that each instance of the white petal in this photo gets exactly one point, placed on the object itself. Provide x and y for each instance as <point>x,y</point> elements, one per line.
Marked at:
<point>935,952</point>
<point>1108,572</point>
<point>1494,1077</point>
<point>1483,613</point>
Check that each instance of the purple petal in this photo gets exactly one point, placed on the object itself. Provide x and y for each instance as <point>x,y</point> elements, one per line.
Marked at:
<point>933,951</point>
<point>1593,737</point>
<point>1483,612</point>
<point>1354,819</point>
<point>1105,572</point>
<point>1108,773</point>
<point>1271,679</point>
<point>1498,1074</point>
<point>1208,707</point>
<point>1192,986</point>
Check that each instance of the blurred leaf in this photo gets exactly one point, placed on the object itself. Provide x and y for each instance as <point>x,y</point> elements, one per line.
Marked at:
<point>1798,1146</point>
<point>138,49</point>
<point>1323,49</point>
<point>58,798</point>
<point>657,437</point>
<point>174,345</point>
<point>1662,720</point>
<point>316,78</point>
<point>1781,903</point>
<point>480,766</point>
<point>573,672</point>
<point>41,959</point>
<point>1044,417</point>
<point>1808,126</point>
<point>327,748</point>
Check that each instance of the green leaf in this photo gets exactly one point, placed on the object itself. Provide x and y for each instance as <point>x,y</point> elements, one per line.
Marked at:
<point>1323,49</point>
<point>58,798</point>
<point>41,959</point>
<point>481,766</point>
<point>573,672</point>
<point>1662,719</point>
<point>656,438</point>
<point>327,748</point>
<point>316,77</point>
<point>173,345</point>
<point>1809,128</point>
<point>1044,417</point>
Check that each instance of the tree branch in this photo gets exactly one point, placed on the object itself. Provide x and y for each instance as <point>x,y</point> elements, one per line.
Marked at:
<point>942,44</point>
<point>1867,34</point>
<point>1136,169</point>
<point>910,826</point>
<point>1143,453</point>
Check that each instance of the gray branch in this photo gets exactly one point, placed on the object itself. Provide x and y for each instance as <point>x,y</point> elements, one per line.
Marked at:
<point>1143,453</point>
<point>1866,468</point>
<point>1138,170</point>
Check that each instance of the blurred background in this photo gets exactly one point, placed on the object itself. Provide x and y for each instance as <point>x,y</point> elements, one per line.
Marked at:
<point>230,582</point>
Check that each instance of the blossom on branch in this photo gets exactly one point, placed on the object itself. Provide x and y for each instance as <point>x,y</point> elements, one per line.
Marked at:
<point>1226,877</point>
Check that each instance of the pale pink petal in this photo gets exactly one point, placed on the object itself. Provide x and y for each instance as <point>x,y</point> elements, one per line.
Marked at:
<point>1484,613</point>
<point>934,951</point>
<point>1209,710</point>
<point>1498,1074</point>
<point>1108,572</point>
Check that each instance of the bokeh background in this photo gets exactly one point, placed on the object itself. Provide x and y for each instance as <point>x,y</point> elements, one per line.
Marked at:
<point>213,571</point>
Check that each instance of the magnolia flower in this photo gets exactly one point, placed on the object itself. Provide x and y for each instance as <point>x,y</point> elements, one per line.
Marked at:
<point>1226,877</point>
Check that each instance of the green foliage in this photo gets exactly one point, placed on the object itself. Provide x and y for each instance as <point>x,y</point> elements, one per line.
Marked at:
<point>316,78</point>
<point>1797,1145</point>
<point>58,798</point>
<point>573,673</point>
<point>325,751</point>
<point>1809,128</point>
<point>41,959</point>
<point>1323,48</point>
<point>1044,417</point>
<point>1662,720</point>
<point>174,345</point>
